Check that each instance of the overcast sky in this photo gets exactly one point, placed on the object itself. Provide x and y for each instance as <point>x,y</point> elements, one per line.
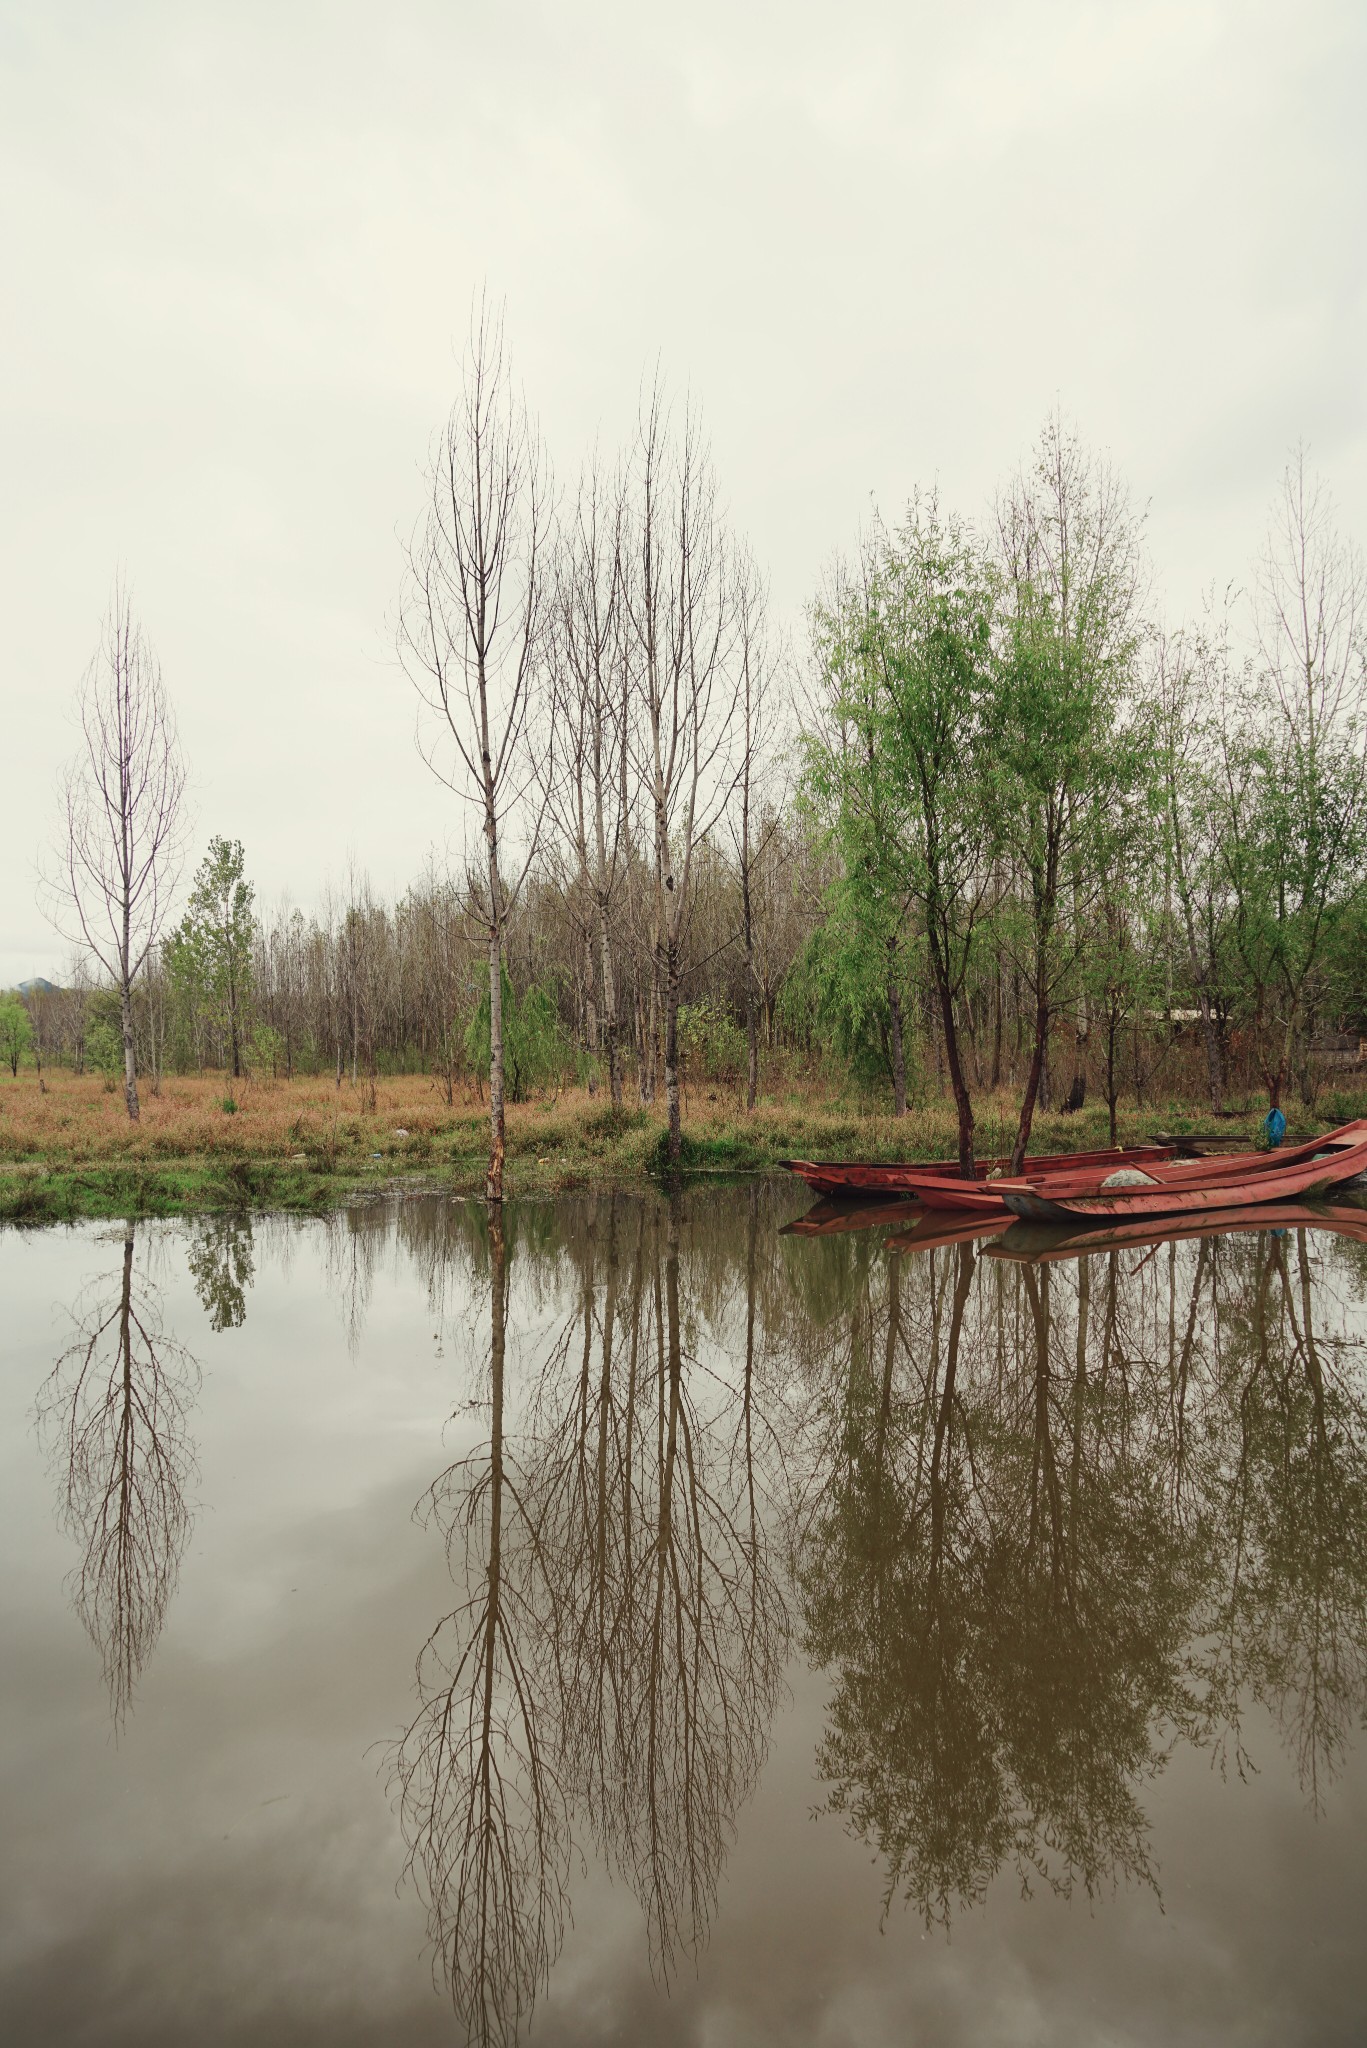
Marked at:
<point>878,242</point>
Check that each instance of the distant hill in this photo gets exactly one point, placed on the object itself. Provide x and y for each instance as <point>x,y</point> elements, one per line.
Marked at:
<point>39,986</point>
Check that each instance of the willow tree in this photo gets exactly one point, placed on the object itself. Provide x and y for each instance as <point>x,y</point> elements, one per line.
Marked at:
<point>470,635</point>
<point>907,650</point>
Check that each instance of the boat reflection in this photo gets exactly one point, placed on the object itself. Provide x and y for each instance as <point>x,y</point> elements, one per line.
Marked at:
<point>1037,1242</point>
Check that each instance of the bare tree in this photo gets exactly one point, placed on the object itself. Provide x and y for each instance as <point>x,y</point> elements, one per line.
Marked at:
<point>1311,611</point>
<point>591,709</point>
<point>469,633</point>
<point>119,852</point>
<point>680,603</point>
<point>752,838</point>
<point>1181,676</point>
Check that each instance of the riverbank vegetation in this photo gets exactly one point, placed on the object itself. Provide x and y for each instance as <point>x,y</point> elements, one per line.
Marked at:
<point>207,1141</point>
<point>990,831</point>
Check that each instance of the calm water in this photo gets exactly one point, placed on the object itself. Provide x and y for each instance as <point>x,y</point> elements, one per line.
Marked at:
<point>647,1624</point>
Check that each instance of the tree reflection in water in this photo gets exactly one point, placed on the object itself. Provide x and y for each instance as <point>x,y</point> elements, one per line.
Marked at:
<point>667,1627</point>
<point>614,1662</point>
<point>222,1267</point>
<point>1076,1514</point>
<point>481,1795</point>
<point>1286,1472</point>
<point>115,1414</point>
<point>1039,1523</point>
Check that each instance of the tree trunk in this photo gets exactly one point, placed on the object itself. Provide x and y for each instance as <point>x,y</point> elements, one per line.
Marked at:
<point>963,1102</point>
<point>130,1064</point>
<point>493,1185</point>
<point>751,1016</point>
<point>614,1057</point>
<point>233,1039</point>
<point>1112,1027</point>
<point>672,1050</point>
<point>1215,1066</point>
<point>1032,1083</point>
<point>897,1051</point>
<point>650,1032</point>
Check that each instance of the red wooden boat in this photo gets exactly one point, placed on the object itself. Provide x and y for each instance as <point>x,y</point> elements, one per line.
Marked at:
<point>939,1184</point>
<point>1043,1243</point>
<point>1186,1187</point>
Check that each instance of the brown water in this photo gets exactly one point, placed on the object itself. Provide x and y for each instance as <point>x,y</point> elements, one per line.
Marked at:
<point>643,1624</point>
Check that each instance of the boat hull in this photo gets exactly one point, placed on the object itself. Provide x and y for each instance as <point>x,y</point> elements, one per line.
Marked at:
<point>938,1184</point>
<point>1186,1191</point>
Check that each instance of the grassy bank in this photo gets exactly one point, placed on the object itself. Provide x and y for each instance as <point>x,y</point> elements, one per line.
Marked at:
<point>205,1143</point>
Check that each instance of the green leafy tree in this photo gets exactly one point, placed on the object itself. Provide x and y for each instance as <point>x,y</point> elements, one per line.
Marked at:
<point>857,963</point>
<point>1070,742</point>
<point>908,654</point>
<point>16,1032</point>
<point>209,955</point>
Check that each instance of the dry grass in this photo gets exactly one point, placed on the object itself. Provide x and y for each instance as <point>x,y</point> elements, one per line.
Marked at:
<point>307,1144</point>
<point>78,1122</point>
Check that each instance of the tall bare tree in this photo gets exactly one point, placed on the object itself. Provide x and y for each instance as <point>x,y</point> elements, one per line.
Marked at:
<point>756,825</point>
<point>680,592</point>
<point>121,841</point>
<point>591,694</point>
<point>470,636</point>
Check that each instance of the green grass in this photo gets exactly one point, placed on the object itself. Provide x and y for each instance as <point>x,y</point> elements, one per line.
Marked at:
<point>30,1194</point>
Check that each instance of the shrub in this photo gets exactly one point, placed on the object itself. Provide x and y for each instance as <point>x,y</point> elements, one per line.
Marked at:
<point>268,1050</point>
<point>104,1051</point>
<point>535,1051</point>
<point>711,1043</point>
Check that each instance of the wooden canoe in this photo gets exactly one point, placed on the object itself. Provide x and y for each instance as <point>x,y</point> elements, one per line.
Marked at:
<point>939,1184</point>
<point>1190,1187</point>
<point>1043,1243</point>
